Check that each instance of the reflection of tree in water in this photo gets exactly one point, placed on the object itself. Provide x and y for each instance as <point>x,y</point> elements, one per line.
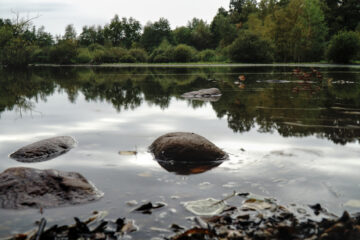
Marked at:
<point>20,90</point>
<point>332,112</point>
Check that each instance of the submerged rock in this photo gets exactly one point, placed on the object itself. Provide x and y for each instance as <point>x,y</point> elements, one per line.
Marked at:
<point>44,150</point>
<point>33,188</point>
<point>185,146</point>
<point>210,94</point>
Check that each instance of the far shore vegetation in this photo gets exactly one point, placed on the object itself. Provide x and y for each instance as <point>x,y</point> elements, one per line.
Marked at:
<point>249,32</point>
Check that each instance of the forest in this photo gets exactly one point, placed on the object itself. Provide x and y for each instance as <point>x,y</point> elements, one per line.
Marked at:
<point>250,31</point>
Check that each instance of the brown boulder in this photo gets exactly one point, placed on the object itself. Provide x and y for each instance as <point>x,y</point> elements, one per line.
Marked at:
<point>28,187</point>
<point>185,146</point>
<point>44,150</point>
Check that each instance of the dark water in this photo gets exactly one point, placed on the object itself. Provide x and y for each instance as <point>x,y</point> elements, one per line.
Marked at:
<point>289,139</point>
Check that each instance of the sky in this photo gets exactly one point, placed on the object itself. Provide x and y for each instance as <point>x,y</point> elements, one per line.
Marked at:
<point>54,15</point>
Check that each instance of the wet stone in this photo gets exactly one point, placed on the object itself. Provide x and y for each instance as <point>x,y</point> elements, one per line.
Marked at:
<point>188,167</point>
<point>186,146</point>
<point>44,150</point>
<point>33,188</point>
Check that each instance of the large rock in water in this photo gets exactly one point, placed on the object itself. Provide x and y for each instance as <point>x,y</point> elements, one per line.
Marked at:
<point>185,146</point>
<point>44,150</point>
<point>33,188</point>
<point>210,94</point>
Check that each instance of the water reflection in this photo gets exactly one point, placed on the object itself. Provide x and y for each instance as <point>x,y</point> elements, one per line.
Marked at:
<point>274,100</point>
<point>188,167</point>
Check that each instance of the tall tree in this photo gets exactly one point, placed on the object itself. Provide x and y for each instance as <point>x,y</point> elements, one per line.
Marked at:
<point>223,31</point>
<point>299,31</point>
<point>155,33</point>
<point>43,39</point>
<point>241,9</point>
<point>342,15</point>
<point>70,33</point>
<point>182,35</point>
<point>201,37</point>
<point>123,32</point>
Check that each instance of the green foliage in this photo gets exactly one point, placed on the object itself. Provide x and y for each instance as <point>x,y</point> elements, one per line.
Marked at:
<point>155,33</point>
<point>70,33</point>
<point>182,35</point>
<point>139,54</point>
<point>241,9</point>
<point>127,58</point>
<point>43,39</point>
<point>123,32</point>
<point>163,54</point>
<point>201,37</point>
<point>184,53</point>
<point>16,53</point>
<point>40,55</point>
<point>207,55</point>
<point>291,30</point>
<point>341,15</point>
<point>16,43</point>
<point>91,35</point>
<point>250,48</point>
<point>96,46</point>
<point>298,31</point>
<point>344,47</point>
<point>84,56</point>
<point>64,52</point>
<point>222,30</point>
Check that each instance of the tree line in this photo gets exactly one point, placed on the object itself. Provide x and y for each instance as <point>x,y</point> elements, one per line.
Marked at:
<point>249,32</point>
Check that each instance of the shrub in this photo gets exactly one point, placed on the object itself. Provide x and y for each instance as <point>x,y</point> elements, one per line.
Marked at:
<point>98,56</point>
<point>64,52</point>
<point>95,46</point>
<point>16,53</point>
<point>117,53</point>
<point>139,54</point>
<point>127,58</point>
<point>83,56</point>
<point>249,47</point>
<point>184,53</point>
<point>163,54</point>
<point>40,55</point>
<point>343,47</point>
<point>207,55</point>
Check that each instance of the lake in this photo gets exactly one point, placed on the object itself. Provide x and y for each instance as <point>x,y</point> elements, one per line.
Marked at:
<point>290,138</point>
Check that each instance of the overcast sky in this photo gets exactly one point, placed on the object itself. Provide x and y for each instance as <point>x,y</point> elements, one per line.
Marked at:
<point>56,14</point>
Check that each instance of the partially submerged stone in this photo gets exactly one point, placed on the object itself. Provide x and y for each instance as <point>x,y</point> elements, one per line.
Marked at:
<point>33,188</point>
<point>188,167</point>
<point>44,150</point>
<point>186,146</point>
<point>210,94</point>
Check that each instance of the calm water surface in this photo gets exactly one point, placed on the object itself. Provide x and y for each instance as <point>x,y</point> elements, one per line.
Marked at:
<point>289,139</point>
